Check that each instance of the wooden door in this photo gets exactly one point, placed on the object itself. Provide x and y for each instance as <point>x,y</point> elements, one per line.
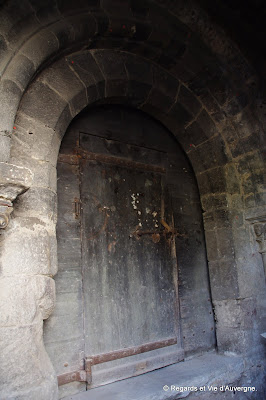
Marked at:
<point>128,260</point>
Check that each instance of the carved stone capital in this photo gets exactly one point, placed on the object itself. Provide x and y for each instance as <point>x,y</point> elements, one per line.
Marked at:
<point>260,232</point>
<point>14,180</point>
<point>259,228</point>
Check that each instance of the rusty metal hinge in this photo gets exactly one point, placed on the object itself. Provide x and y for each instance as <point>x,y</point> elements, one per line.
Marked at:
<point>85,375</point>
<point>77,207</point>
<point>82,375</point>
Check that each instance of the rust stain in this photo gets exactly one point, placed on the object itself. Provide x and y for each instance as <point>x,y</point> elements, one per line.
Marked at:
<point>156,237</point>
<point>103,228</point>
<point>130,351</point>
<point>111,246</point>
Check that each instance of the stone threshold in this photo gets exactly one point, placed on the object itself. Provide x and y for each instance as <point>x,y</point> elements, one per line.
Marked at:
<point>205,370</point>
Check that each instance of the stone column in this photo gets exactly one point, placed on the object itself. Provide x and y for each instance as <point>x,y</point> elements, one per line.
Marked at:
<point>27,291</point>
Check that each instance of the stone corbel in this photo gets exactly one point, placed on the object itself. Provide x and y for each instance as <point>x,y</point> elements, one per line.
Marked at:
<point>14,181</point>
<point>259,228</point>
<point>260,232</point>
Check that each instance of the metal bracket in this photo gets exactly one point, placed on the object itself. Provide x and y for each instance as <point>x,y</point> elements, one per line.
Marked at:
<point>82,375</point>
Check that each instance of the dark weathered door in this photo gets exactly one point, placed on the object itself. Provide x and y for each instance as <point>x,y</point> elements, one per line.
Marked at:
<point>128,260</point>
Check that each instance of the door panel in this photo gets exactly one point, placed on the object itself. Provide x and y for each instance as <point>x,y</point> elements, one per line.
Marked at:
<point>128,258</point>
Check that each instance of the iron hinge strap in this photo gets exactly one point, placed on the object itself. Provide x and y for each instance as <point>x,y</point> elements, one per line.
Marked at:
<point>74,376</point>
<point>85,375</point>
<point>82,375</point>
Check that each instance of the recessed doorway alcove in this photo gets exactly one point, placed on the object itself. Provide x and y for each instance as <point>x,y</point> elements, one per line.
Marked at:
<point>132,286</point>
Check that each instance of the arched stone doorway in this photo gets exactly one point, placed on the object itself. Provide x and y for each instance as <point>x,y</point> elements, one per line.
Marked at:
<point>205,100</point>
<point>132,261</point>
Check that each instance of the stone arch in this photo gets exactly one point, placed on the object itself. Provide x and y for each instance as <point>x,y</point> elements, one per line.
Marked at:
<point>200,53</point>
<point>86,78</point>
<point>62,90</point>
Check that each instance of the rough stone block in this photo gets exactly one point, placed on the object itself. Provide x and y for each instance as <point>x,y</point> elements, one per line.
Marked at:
<point>236,324</point>
<point>20,71</point>
<point>232,181</point>
<point>251,276</point>
<point>44,172</point>
<point>211,202</point>
<point>172,52</point>
<point>138,92</point>
<point>83,26</point>
<point>26,374</point>
<point>111,66</point>
<point>67,6</point>
<point>89,72</point>
<point>207,155</point>
<point>181,115</point>
<point>117,7</point>
<point>242,241</point>
<point>5,140</point>
<point>26,299</point>
<point>236,105</point>
<point>40,47</point>
<point>193,136</point>
<point>18,21</point>
<point>212,181</point>
<point>10,95</point>
<point>116,89</point>
<point>159,101</point>
<point>189,100</point>
<point>206,123</point>
<point>63,32</point>
<point>246,144</point>
<point>137,70</point>
<point>141,30</point>
<point>46,12</point>
<point>63,80</point>
<point>220,89</point>
<point>252,181</point>
<point>249,162</point>
<point>34,139</point>
<point>260,198</point>
<point>165,82</point>
<point>3,52</point>
<point>225,243</point>
<point>181,72</point>
<point>40,103</point>
<point>64,119</point>
<point>222,218</point>
<point>210,103</point>
<point>14,180</point>
<point>37,202</point>
<point>29,249</point>
<point>139,8</point>
<point>223,279</point>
